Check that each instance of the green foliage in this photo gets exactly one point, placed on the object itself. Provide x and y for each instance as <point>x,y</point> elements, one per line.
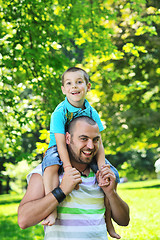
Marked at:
<point>135,165</point>
<point>17,174</point>
<point>129,86</point>
<point>41,147</point>
<point>116,42</point>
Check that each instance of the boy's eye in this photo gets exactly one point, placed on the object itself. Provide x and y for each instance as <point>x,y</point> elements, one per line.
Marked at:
<point>68,83</point>
<point>79,81</point>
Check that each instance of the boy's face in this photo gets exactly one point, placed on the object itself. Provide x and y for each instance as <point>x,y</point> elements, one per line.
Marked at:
<point>75,88</point>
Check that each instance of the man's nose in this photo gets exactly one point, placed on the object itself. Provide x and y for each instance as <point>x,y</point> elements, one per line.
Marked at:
<point>90,144</point>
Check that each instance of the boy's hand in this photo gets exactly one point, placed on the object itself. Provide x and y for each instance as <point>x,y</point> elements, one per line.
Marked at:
<point>105,176</point>
<point>107,173</point>
<point>103,180</point>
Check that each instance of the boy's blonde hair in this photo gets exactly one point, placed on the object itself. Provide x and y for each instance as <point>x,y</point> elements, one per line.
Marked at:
<point>76,69</point>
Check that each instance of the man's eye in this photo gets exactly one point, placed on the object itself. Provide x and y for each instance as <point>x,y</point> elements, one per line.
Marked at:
<point>83,139</point>
<point>96,140</point>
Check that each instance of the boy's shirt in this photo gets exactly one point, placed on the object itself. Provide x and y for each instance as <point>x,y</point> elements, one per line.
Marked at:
<point>65,112</point>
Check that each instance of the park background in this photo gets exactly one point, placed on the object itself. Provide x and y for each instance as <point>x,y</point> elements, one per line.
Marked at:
<point>118,43</point>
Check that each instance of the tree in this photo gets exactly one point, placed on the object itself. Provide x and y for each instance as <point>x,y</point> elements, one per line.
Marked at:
<point>128,82</point>
<point>117,42</point>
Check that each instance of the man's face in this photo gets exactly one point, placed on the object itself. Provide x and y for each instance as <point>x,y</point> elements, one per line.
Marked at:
<point>84,143</point>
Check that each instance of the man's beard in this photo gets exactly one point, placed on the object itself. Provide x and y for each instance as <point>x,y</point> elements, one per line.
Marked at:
<point>77,156</point>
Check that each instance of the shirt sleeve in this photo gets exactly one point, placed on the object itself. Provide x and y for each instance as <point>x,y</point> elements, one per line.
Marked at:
<point>97,119</point>
<point>57,124</point>
<point>38,170</point>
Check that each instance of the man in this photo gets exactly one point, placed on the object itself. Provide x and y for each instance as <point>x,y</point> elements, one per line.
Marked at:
<point>81,212</point>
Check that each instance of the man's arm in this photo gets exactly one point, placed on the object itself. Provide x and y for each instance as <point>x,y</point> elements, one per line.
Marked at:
<point>119,208</point>
<point>35,207</point>
<point>32,208</point>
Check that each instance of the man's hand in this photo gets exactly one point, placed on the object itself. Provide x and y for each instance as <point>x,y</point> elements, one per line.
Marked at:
<point>71,178</point>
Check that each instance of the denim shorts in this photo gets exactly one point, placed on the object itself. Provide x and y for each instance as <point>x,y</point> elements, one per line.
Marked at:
<point>51,157</point>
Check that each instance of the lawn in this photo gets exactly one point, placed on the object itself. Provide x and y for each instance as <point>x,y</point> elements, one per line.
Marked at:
<point>143,199</point>
<point>9,229</point>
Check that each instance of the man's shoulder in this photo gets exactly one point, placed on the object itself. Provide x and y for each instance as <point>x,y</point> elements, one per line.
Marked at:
<point>38,170</point>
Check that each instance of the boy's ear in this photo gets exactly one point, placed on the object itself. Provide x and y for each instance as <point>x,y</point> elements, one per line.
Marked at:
<point>88,87</point>
<point>63,90</point>
<point>68,138</point>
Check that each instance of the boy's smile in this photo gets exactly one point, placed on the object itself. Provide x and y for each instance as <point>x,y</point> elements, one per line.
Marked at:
<point>75,92</point>
<point>75,88</point>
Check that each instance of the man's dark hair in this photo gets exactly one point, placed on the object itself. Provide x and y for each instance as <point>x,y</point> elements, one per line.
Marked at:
<point>76,69</point>
<point>86,119</point>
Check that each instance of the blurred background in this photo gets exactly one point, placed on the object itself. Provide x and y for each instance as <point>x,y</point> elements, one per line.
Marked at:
<point>118,43</point>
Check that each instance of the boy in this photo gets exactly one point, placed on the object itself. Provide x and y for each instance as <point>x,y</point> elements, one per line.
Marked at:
<point>75,85</point>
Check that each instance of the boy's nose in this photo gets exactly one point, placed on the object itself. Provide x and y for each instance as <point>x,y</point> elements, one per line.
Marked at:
<point>74,85</point>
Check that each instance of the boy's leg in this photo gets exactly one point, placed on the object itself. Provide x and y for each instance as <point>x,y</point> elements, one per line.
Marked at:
<point>50,166</point>
<point>50,178</point>
<point>51,181</point>
<point>109,224</point>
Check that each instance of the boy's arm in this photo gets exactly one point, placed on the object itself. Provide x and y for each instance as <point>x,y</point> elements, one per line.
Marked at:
<point>100,156</point>
<point>62,150</point>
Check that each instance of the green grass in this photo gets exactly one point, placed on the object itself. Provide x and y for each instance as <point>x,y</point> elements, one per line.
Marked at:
<point>143,199</point>
<point>9,229</point>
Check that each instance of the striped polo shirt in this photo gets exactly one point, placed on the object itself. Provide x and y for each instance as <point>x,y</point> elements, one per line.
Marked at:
<point>81,214</point>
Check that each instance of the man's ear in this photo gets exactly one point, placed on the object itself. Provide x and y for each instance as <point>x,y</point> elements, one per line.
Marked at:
<point>68,138</point>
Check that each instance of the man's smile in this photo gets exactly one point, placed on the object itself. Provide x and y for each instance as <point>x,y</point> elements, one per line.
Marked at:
<point>87,153</point>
